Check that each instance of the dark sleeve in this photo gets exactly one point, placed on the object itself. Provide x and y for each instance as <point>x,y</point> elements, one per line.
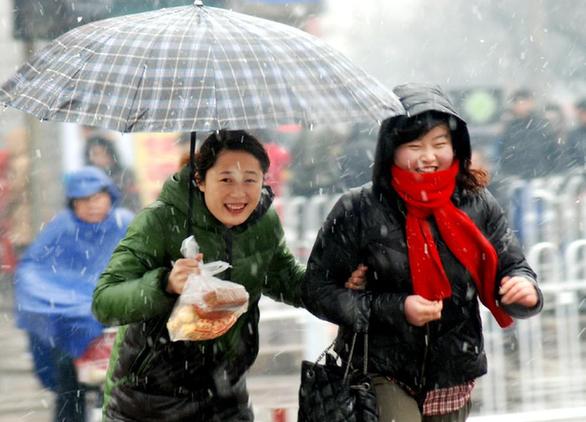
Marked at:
<point>335,254</point>
<point>511,260</point>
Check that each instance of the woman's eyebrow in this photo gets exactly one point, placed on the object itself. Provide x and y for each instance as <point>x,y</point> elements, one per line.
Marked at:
<point>441,135</point>
<point>245,171</point>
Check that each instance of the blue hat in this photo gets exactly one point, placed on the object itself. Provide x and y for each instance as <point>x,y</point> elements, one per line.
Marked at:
<point>88,181</point>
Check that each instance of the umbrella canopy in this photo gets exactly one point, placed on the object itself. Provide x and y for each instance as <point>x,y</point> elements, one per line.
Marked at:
<point>194,68</point>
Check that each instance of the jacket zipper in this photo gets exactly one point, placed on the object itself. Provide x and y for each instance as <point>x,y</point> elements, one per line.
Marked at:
<point>146,354</point>
<point>425,350</point>
<point>228,241</point>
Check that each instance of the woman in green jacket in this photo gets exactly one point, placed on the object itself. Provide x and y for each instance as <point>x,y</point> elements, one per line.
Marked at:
<point>151,378</point>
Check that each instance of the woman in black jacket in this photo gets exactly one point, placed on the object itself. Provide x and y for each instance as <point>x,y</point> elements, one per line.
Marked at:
<point>433,240</point>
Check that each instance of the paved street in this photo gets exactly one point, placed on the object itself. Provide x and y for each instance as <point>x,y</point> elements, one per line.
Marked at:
<point>21,397</point>
<point>272,383</point>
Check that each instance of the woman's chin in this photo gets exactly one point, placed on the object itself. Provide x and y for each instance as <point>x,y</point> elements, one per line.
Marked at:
<point>230,219</point>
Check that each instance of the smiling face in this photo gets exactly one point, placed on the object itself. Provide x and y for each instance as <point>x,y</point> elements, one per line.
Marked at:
<point>93,209</point>
<point>427,154</point>
<point>232,187</point>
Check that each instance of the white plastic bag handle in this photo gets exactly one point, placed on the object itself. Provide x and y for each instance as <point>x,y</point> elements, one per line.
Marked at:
<point>190,248</point>
<point>213,268</point>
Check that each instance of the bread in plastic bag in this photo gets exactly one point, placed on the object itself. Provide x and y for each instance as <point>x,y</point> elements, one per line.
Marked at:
<point>208,307</point>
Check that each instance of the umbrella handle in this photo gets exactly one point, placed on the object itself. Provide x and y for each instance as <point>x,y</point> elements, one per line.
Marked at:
<point>191,182</point>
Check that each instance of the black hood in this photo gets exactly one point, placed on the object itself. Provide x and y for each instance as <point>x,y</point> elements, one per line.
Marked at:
<point>416,99</point>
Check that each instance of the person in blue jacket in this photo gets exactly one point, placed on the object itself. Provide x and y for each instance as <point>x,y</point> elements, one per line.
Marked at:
<point>55,279</point>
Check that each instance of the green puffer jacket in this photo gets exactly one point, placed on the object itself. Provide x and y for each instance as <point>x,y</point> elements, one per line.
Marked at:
<point>152,378</point>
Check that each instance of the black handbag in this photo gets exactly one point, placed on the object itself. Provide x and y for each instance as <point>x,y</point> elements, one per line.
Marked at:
<point>331,393</point>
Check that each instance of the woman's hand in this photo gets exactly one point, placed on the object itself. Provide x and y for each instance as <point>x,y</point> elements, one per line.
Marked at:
<point>357,280</point>
<point>419,311</point>
<point>519,290</point>
<point>181,270</point>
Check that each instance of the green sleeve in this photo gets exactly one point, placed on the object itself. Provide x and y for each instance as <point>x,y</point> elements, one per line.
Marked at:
<point>130,289</point>
<point>285,274</point>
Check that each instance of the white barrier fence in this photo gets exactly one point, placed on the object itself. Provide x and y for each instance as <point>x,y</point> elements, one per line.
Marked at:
<point>548,210</point>
<point>539,364</point>
<point>302,218</point>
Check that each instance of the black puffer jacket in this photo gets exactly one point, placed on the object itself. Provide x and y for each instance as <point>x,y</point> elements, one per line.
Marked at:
<point>367,225</point>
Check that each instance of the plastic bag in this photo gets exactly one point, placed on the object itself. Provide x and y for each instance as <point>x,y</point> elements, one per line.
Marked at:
<point>208,307</point>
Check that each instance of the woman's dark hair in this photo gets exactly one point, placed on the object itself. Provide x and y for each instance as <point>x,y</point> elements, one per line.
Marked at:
<point>231,140</point>
<point>108,145</point>
<point>408,129</point>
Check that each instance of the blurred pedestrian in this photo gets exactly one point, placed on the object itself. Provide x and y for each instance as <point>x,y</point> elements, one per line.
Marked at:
<point>278,172</point>
<point>280,157</point>
<point>54,282</point>
<point>559,153</point>
<point>554,114</point>
<point>18,207</point>
<point>432,240</point>
<point>528,143</point>
<point>100,152</point>
<point>314,162</point>
<point>577,138</point>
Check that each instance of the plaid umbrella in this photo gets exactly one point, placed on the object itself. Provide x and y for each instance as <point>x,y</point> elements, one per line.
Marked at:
<point>194,68</point>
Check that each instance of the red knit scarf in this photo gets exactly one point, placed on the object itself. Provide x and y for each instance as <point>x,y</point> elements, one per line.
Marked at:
<point>430,194</point>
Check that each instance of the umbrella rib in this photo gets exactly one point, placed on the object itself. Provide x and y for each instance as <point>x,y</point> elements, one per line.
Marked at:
<point>112,63</point>
<point>296,95</point>
<point>139,90</point>
<point>288,51</point>
<point>270,97</point>
<point>18,85</point>
<point>351,90</point>
<point>247,123</point>
<point>352,87</point>
<point>205,73</point>
<point>341,60</point>
<point>78,72</point>
<point>96,29</point>
<point>21,81</point>
<point>181,41</point>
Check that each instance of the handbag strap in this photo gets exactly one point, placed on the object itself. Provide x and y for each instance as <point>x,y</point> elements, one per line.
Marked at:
<point>365,357</point>
<point>323,354</point>
<point>347,370</point>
